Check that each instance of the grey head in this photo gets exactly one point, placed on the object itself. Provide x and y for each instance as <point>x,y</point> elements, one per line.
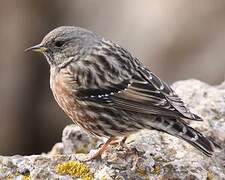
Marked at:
<point>64,43</point>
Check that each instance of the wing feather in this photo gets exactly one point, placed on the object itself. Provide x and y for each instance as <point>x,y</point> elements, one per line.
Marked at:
<point>136,89</point>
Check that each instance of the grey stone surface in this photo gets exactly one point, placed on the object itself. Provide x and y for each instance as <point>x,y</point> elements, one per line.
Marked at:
<point>146,154</point>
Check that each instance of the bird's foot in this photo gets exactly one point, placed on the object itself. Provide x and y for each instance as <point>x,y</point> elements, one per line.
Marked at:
<point>103,148</point>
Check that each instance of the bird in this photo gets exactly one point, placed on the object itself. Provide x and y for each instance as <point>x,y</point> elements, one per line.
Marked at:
<point>110,93</point>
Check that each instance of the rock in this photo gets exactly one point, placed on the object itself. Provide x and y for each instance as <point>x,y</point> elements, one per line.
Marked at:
<point>146,154</point>
<point>76,141</point>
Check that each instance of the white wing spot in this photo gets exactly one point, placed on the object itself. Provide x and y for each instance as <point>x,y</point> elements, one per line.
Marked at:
<point>172,94</point>
<point>161,87</point>
<point>195,138</point>
<point>184,130</point>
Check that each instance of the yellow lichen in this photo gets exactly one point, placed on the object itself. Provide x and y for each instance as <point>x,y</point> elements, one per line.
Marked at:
<point>103,178</point>
<point>76,169</point>
<point>141,171</point>
<point>157,169</point>
<point>26,177</point>
<point>18,175</point>
<point>209,175</point>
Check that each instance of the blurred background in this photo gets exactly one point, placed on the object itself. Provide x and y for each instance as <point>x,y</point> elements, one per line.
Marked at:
<point>177,39</point>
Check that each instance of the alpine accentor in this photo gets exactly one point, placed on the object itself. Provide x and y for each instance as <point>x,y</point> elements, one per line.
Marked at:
<point>108,92</point>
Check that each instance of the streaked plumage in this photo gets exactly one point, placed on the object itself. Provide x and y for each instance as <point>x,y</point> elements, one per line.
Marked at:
<point>108,92</point>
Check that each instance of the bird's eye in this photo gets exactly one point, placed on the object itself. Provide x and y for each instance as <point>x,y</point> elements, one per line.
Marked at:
<point>59,43</point>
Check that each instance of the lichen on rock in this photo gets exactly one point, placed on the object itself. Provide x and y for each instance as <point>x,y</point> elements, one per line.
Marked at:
<point>145,155</point>
<point>74,168</point>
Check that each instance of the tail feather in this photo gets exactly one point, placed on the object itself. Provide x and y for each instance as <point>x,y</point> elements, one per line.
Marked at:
<point>200,142</point>
<point>179,128</point>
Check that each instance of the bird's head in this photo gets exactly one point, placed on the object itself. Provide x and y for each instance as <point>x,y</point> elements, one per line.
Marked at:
<point>65,43</point>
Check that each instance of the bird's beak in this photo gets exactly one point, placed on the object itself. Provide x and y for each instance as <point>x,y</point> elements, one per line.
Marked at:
<point>37,48</point>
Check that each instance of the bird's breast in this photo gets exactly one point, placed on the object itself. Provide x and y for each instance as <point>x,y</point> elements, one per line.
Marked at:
<point>63,93</point>
<point>65,96</point>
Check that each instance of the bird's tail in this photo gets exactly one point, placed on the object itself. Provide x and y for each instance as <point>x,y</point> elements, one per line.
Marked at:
<point>179,128</point>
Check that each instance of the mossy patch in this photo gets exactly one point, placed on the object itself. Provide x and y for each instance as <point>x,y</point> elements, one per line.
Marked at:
<point>76,169</point>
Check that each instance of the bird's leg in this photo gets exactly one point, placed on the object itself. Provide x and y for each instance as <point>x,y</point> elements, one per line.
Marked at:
<point>116,142</point>
<point>102,149</point>
<point>120,143</point>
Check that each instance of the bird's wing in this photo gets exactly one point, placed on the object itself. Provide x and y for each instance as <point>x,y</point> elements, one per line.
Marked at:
<point>121,84</point>
<point>149,94</point>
